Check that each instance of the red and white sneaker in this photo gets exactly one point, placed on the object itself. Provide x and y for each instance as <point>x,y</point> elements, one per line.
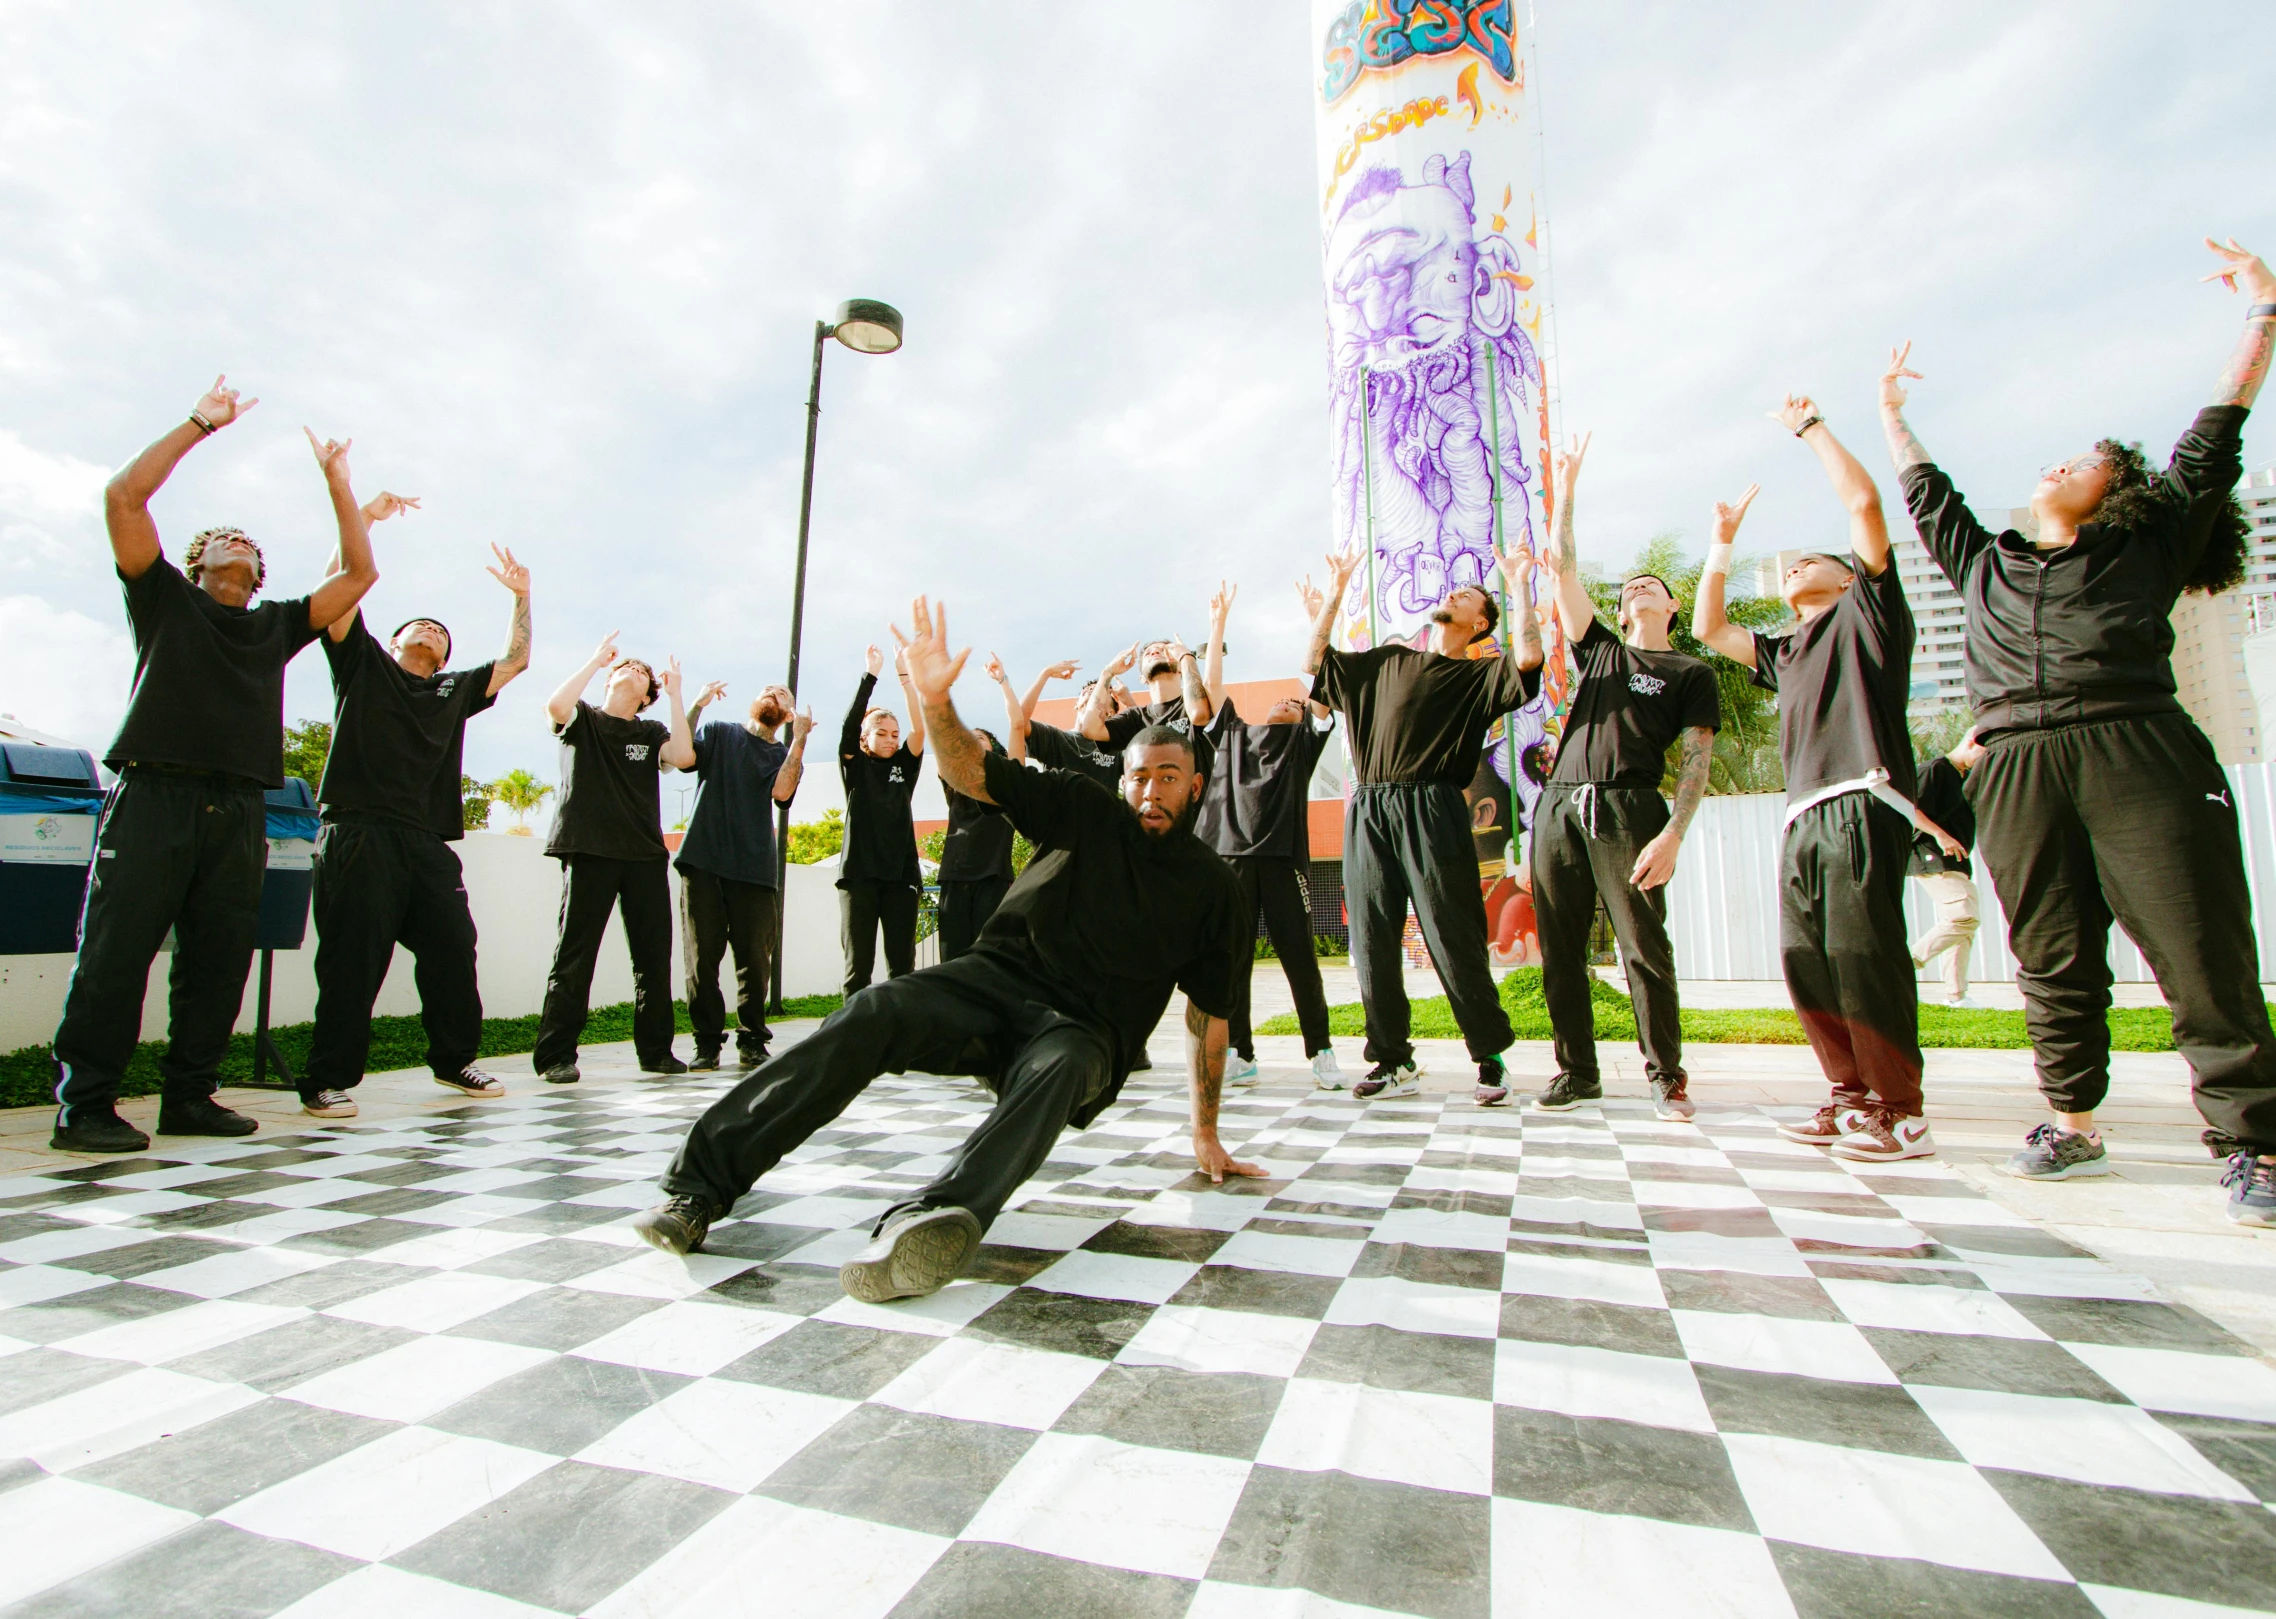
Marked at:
<point>1824,1127</point>
<point>1878,1134</point>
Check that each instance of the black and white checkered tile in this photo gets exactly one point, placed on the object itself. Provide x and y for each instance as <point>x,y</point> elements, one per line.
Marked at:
<point>1442,1362</point>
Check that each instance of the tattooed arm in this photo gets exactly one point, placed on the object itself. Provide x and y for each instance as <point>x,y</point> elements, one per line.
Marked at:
<point>2248,364</point>
<point>1655,862</point>
<point>1205,1067</point>
<point>1574,609</point>
<point>929,670</point>
<point>515,658</point>
<point>1340,570</point>
<point>1904,445</point>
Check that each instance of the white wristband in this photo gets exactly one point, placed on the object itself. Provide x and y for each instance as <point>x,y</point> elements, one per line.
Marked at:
<point>1718,559</point>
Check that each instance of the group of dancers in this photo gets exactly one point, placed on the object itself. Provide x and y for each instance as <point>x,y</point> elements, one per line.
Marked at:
<point>1165,825</point>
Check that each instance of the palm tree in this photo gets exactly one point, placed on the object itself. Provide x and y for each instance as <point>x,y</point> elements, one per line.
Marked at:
<point>520,792</point>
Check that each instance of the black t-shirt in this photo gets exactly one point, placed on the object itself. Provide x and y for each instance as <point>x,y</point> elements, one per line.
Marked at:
<point>1055,749</point>
<point>1255,803</point>
<point>1416,716</point>
<point>397,737</point>
<point>881,834</point>
<point>731,830</point>
<point>208,680</point>
<point>1943,798</point>
<point>611,786</point>
<point>1106,920</point>
<point>1842,681</point>
<point>979,840</point>
<point>1128,723</point>
<point>1630,706</point>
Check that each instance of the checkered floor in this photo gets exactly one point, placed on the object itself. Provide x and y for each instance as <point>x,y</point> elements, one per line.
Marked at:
<point>1443,1362</point>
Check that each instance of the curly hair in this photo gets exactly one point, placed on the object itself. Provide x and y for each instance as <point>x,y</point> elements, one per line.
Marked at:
<point>654,685</point>
<point>2134,497</point>
<point>193,560</point>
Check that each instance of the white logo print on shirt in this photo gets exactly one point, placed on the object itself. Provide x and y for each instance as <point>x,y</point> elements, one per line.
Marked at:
<point>443,689</point>
<point>1646,685</point>
<point>637,752</point>
<point>896,775</point>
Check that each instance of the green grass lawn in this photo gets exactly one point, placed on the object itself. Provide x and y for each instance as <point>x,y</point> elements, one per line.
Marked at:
<point>2132,1028</point>
<point>27,1077</point>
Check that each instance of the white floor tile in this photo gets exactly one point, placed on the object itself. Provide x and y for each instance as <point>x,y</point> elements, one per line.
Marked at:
<point>826,1213</point>
<point>1578,1382</point>
<point>155,1339</point>
<point>1850,1230</point>
<point>1880,1505</point>
<point>829,1250</point>
<point>724,1434</point>
<point>1393,1301</point>
<point>235,1272</point>
<point>414,1380</point>
<point>1126,1506</point>
<point>69,1243</point>
<point>1202,1211</point>
<point>1651,1194</point>
<point>1301,1256</point>
<point>377,1591</point>
<point>59,1527</point>
<point>479,1180</point>
<point>36,1284</point>
<point>1115,1276</point>
<point>1061,1232</point>
<point>1824,1183</point>
<point>1203,1340</point>
<point>1606,1281</point>
<point>689,1338</point>
<point>2114,1603</point>
<point>133,1206</point>
<point>763,1559</point>
<point>1215,1599</point>
<point>937,1315</point>
<point>1768,1343</point>
<point>2120,1446</point>
<point>1445,1228</point>
<point>1930,1307</point>
<point>2175,1380</point>
<point>651,1274</point>
<point>1704,1250</point>
<point>436,1303</point>
<point>1961,1211</point>
<point>117,1415</point>
<point>1551,1562</point>
<point>1575,1211</point>
<point>1008,1384</point>
<point>1433,1441</point>
<point>1492,1182</point>
<point>308,1194</point>
<point>389,1495</point>
<point>1344,1194</point>
<point>448,1249</point>
<point>282,1223</point>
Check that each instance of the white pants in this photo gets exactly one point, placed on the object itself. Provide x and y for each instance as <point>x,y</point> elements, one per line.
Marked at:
<point>1954,896</point>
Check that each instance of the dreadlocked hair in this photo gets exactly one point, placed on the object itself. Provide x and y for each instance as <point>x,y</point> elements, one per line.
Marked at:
<point>193,560</point>
<point>2134,498</point>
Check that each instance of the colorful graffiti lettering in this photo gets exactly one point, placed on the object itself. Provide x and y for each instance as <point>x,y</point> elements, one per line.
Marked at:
<point>1373,36</point>
<point>1390,121</point>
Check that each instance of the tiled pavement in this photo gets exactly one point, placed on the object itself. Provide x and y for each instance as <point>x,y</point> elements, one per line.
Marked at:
<point>1444,1361</point>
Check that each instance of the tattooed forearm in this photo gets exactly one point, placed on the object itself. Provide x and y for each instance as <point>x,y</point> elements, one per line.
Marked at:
<point>2248,365</point>
<point>956,751</point>
<point>1904,449</point>
<point>1205,1063</point>
<point>1529,653</point>
<point>517,636</point>
<point>1563,548</point>
<point>1691,779</point>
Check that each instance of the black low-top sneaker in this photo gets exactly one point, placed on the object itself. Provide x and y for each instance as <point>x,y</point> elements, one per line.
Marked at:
<point>328,1105</point>
<point>1566,1093</point>
<point>750,1059</point>
<point>472,1081</point>
<point>95,1129</point>
<point>1493,1084</point>
<point>2251,1180</point>
<point>919,1251</point>
<point>1671,1098</point>
<point>1388,1079</point>
<point>2052,1153</point>
<point>704,1062</point>
<point>565,1074</point>
<point>201,1116</point>
<point>677,1225</point>
<point>666,1064</point>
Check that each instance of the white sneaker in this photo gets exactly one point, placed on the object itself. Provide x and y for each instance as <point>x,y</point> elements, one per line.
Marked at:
<point>1326,1075</point>
<point>1965,1003</point>
<point>1240,1070</point>
<point>1386,1079</point>
<point>1876,1134</point>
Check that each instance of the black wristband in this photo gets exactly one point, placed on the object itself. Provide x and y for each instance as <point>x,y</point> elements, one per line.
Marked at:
<point>202,425</point>
<point>1814,421</point>
<point>2260,311</point>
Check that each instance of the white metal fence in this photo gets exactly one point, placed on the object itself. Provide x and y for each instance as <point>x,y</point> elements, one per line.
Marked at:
<point>1723,904</point>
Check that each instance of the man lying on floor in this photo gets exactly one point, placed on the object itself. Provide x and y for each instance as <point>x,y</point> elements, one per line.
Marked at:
<point>1120,904</point>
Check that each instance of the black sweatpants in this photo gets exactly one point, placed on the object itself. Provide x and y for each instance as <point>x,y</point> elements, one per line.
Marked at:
<point>1274,889</point>
<point>719,915</point>
<point>592,886</point>
<point>966,903</point>
<point>972,1015</point>
<point>1841,936</point>
<point>2129,820</point>
<point>865,906</point>
<point>379,885</point>
<point>173,851</point>
<point>1407,841</point>
<point>1586,838</point>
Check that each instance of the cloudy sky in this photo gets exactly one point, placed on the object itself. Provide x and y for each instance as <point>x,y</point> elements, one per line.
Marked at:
<point>555,270</point>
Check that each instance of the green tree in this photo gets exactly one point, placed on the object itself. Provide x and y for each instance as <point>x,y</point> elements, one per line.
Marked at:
<point>1939,730</point>
<point>814,841</point>
<point>306,747</point>
<point>474,801</point>
<point>932,842</point>
<point>520,792</point>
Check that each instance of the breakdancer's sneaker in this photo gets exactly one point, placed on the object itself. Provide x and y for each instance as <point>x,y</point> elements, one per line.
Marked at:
<point>2052,1153</point>
<point>1880,1135</point>
<point>677,1225</point>
<point>1493,1084</point>
<point>1671,1099</point>
<point>472,1081</point>
<point>1566,1093</point>
<point>918,1251</point>
<point>1824,1127</point>
<point>1388,1079</point>
<point>2251,1181</point>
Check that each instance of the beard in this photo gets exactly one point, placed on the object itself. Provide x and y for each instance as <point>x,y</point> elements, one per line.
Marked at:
<point>1155,671</point>
<point>1440,615</point>
<point>771,714</point>
<point>1180,826</point>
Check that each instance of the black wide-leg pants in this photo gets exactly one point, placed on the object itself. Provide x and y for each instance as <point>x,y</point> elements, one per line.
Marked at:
<point>1586,838</point>
<point>864,908</point>
<point>719,915</point>
<point>592,886</point>
<point>1841,938</point>
<point>2129,820</point>
<point>1273,889</point>
<point>377,886</point>
<point>1411,841</point>
<point>971,1015</point>
<point>966,903</point>
<point>178,851</point>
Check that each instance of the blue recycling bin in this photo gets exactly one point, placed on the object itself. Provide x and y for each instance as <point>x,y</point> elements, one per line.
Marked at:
<point>291,877</point>
<point>50,801</point>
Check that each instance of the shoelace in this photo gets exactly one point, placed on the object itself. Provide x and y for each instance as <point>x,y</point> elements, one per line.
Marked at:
<point>2245,1169</point>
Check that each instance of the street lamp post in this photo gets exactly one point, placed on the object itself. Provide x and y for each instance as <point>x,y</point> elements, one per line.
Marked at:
<point>867,327</point>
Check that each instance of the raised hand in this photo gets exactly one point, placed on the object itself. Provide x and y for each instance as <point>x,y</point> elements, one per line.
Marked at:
<point>669,680</point>
<point>932,667</point>
<point>994,670</point>
<point>901,664</point>
<point>1569,459</point>
<point>1064,669</point>
<point>710,694</point>
<point>1221,604</point>
<point>874,661</point>
<point>220,406</point>
<point>1341,568</point>
<point>1514,565</point>
<point>1798,409</point>
<point>1893,393</point>
<point>2239,265</point>
<point>800,724</point>
<point>1729,514</point>
<point>384,505</point>
<point>508,572</point>
<point>1122,664</point>
<point>331,454</point>
<point>606,654</point>
<point>1312,597</point>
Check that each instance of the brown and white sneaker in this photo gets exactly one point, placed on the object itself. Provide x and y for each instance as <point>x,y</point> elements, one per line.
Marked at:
<point>1879,1135</point>
<point>1824,1127</point>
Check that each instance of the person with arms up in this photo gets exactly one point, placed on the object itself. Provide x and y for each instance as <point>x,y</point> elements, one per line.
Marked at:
<point>608,835</point>
<point>1940,861</point>
<point>1842,676</point>
<point>1121,905</point>
<point>1601,831</point>
<point>1049,746</point>
<point>730,872</point>
<point>1180,695</point>
<point>385,871</point>
<point>2098,799</point>
<point>183,839</point>
<point>879,880</point>
<point>1415,723</point>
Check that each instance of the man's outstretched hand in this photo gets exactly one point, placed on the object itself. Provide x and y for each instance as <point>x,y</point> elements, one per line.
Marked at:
<point>220,405</point>
<point>1216,1162</point>
<point>931,666</point>
<point>2240,265</point>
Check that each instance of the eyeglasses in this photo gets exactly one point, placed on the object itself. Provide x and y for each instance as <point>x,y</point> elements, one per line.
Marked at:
<point>2063,469</point>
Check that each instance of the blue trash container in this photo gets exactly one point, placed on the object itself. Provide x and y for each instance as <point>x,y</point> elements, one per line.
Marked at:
<point>50,800</point>
<point>291,877</point>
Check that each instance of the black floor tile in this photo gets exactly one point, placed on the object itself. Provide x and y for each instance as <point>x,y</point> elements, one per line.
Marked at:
<point>555,1260</point>
<point>2130,1323</point>
<point>2246,1451</point>
<point>1602,1465</point>
<point>1633,1328</point>
<point>1158,1242</point>
<point>751,1239</point>
<point>1452,1202</point>
<point>1754,1224</point>
<point>89,1310</point>
<point>558,1406</point>
<point>976,1577</point>
<point>2207,1551</point>
<point>789,1289</point>
<point>1419,1362</point>
<point>332,1284</point>
<point>393,1200</point>
<point>274,1360</point>
<point>827,1357</point>
<point>1857,1416</point>
<point>1065,1322</point>
<point>219,1463</point>
<point>921,1472</point>
<point>997,1262</point>
<point>1235,1287</point>
<point>1165,1408</point>
<point>1840,1585</point>
<point>558,1318</point>
<point>1361,1541</point>
<point>2009,1365</point>
<point>363,1237</point>
<point>1444,1267</point>
<point>159,1253</point>
<point>208,1571</point>
<point>36,1376</point>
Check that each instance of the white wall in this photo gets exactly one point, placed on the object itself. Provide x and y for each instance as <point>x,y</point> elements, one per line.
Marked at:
<point>516,895</point>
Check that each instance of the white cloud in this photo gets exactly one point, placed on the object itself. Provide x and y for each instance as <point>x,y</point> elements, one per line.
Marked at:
<point>50,510</point>
<point>62,672</point>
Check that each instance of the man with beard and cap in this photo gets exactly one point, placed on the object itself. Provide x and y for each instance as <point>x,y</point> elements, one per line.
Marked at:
<point>385,872</point>
<point>879,880</point>
<point>1602,834</point>
<point>730,871</point>
<point>1049,746</point>
<point>1414,723</point>
<point>1180,695</point>
<point>183,843</point>
<point>2098,799</point>
<point>1121,905</point>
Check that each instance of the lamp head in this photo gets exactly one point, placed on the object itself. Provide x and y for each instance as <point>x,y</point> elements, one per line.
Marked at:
<point>867,326</point>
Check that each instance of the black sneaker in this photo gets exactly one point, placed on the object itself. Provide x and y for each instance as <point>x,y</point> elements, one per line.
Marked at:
<point>201,1116</point>
<point>1141,1063</point>
<point>920,1251</point>
<point>750,1059</point>
<point>1493,1084</point>
<point>472,1081</point>
<point>704,1062</point>
<point>2052,1153</point>
<point>1566,1093</point>
<point>328,1104</point>
<point>666,1064</point>
<point>95,1129</point>
<point>677,1225</point>
<point>1671,1099</point>
<point>565,1074</point>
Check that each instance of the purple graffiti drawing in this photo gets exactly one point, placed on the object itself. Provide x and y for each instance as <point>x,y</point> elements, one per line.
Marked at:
<point>1418,296</point>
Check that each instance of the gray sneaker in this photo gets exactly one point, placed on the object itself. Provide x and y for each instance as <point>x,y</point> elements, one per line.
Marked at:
<point>677,1225</point>
<point>919,1251</point>
<point>1564,1094</point>
<point>2052,1153</point>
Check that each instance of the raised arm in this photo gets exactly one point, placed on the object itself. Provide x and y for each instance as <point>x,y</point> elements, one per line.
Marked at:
<point>1904,446</point>
<point>1090,719</point>
<point>378,509</point>
<point>1064,669</point>
<point>1328,603</point>
<point>1708,620</point>
<point>126,498</point>
<point>1523,636</point>
<point>1191,687</point>
<point>561,707</point>
<point>679,748</point>
<point>2248,362</point>
<point>1015,710</point>
<point>339,595</point>
<point>1868,529</point>
<point>1574,609</point>
<point>711,693</point>
<point>515,658</point>
<point>849,735</point>
<point>1655,862</point>
<point>958,755</point>
<point>1213,669</point>
<point>794,762</point>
